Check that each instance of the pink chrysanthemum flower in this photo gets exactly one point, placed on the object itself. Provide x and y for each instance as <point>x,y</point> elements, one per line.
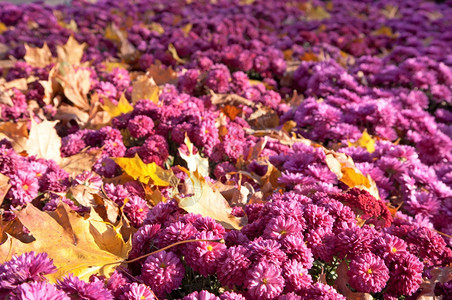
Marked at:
<point>203,257</point>
<point>297,277</point>
<point>388,246</point>
<point>323,292</point>
<point>176,232</point>
<point>116,282</point>
<point>232,268</point>
<point>209,225</point>
<point>136,210</point>
<point>280,227</point>
<point>368,273</point>
<point>267,250</point>
<point>89,179</point>
<point>202,295</point>
<point>136,291</point>
<point>295,248</point>
<point>163,272</point>
<point>143,239</point>
<point>38,290</point>
<point>231,296</point>
<point>264,281</point>
<point>140,126</point>
<point>24,188</point>
<point>406,274</point>
<point>77,288</point>
<point>26,267</point>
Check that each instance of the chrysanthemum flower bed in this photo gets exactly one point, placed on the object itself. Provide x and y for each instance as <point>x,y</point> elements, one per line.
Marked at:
<point>226,150</point>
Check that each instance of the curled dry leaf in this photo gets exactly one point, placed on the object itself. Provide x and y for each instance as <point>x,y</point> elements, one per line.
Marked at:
<point>38,57</point>
<point>44,141</point>
<point>71,52</point>
<point>174,54</point>
<point>207,202</point>
<point>76,245</point>
<point>68,113</point>
<point>75,83</point>
<point>16,133</point>
<point>233,99</point>
<point>443,274</point>
<point>80,162</point>
<point>263,118</point>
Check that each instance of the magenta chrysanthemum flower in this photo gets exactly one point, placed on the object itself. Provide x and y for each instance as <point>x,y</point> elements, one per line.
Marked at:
<point>264,281</point>
<point>116,282</point>
<point>24,188</point>
<point>295,248</point>
<point>26,267</point>
<point>136,291</point>
<point>140,126</point>
<point>136,210</point>
<point>297,277</point>
<point>405,274</point>
<point>176,232</point>
<point>203,257</point>
<point>231,296</point>
<point>202,295</point>
<point>324,292</point>
<point>388,246</point>
<point>280,227</point>
<point>354,241</point>
<point>290,296</point>
<point>143,239</point>
<point>318,217</point>
<point>368,273</point>
<point>234,265</point>
<point>209,225</point>
<point>77,288</point>
<point>163,272</point>
<point>267,250</point>
<point>38,290</point>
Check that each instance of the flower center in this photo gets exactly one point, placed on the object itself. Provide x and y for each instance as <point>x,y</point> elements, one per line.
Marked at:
<point>369,271</point>
<point>393,249</point>
<point>283,232</point>
<point>209,248</point>
<point>265,281</point>
<point>162,265</point>
<point>25,187</point>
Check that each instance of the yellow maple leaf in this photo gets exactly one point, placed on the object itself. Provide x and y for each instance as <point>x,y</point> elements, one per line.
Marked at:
<point>156,27</point>
<point>186,29</point>
<point>365,141</point>
<point>386,31</point>
<point>122,107</point>
<point>80,246</point>
<point>3,27</point>
<point>174,54</point>
<point>110,66</point>
<point>71,52</point>
<point>138,170</point>
<point>38,57</point>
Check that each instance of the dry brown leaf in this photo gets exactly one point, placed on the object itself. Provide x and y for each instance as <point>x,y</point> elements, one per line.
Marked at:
<point>68,113</point>
<point>44,141</point>
<point>4,187</point>
<point>51,86</point>
<point>263,118</point>
<point>194,161</point>
<point>113,33</point>
<point>71,52</point>
<point>208,203</point>
<point>106,208</point>
<point>20,84</point>
<point>441,275</point>
<point>16,133</point>
<point>38,57</point>
<point>145,87</point>
<point>80,162</point>
<point>75,83</point>
<point>162,75</point>
<point>83,194</point>
<point>233,99</point>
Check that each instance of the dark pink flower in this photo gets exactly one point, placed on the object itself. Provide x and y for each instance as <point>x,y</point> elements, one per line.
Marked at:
<point>296,275</point>
<point>264,281</point>
<point>37,290</point>
<point>137,291</point>
<point>233,267</point>
<point>368,273</point>
<point>203,257</point>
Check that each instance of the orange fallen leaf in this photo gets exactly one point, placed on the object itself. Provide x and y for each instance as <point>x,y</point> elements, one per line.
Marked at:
<point>161,75</point>
<point>16,133</point>
<point>365,141</point>
<point>75,83</point>
<point>80,246</point>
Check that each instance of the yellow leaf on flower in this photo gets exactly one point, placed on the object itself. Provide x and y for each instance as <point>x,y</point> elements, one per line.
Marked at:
<point>161,75</point>
<point>156,27</point>
<point>209,203</point>
<point>122,107</point>
<point>390,12</point>
<point>174,54</point>
<point>80,246</point>
<point>365,141</point>
<point>316,13</point>
<point>110,66</point>
<point>386,31</point>
<point>186,29</point>
<point>144,87</point>
<point>138,170</point>
<point>3,27</point>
